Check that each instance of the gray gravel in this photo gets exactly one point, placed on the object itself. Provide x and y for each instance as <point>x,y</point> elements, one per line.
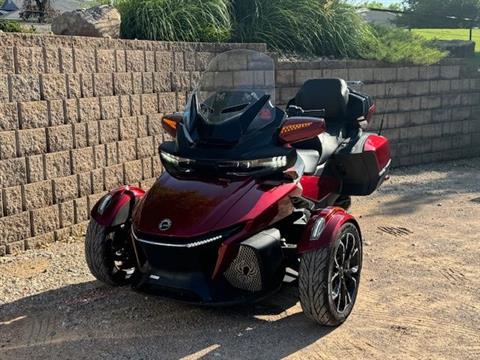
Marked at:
<point>418,298</point>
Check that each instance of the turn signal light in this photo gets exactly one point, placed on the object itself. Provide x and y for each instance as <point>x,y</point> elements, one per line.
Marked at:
<point>170,123</point>
<point>296,129</point>
<point>170,126</point>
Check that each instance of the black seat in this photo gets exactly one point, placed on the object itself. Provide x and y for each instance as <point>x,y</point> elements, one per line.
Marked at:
<point>331,95</point>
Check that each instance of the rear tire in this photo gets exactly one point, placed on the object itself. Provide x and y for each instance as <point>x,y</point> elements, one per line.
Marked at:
<point>328,286</point>
<point>100,255</point>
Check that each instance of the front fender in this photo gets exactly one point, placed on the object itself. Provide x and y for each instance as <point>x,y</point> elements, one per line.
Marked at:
<point>116,207</point>
<point>334,218</point>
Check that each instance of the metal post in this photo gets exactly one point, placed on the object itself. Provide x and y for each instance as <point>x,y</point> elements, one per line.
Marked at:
<point>471,33</point>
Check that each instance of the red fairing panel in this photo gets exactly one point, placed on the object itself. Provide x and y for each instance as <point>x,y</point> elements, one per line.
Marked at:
<point>380,146</point>
<point>257,210</point>
<point>316,188</point>
<point>199,207</point>
<point>263,206</point>
<point>334,219</point>
<point>120,198</point>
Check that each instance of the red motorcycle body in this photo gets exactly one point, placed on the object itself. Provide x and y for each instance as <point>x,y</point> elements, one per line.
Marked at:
<point>248,188</point>
<point>201,207</point>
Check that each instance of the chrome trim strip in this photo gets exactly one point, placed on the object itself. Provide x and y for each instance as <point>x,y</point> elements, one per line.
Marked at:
<point>189,245</point>
<point>384,170</point>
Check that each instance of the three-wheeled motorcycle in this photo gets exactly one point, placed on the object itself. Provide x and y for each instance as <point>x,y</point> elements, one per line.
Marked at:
<point>248,191</point>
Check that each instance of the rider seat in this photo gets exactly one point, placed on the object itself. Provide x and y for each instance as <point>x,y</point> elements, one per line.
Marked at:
<point>332,96</point>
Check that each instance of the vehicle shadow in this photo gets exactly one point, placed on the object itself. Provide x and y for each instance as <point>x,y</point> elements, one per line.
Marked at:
<point>89,320</point>
<point>406,194</point>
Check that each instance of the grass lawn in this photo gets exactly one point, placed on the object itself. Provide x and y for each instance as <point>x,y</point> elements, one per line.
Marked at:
<point>451,34</point>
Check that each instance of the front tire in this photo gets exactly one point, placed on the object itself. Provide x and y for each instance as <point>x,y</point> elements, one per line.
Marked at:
<point>106,256</point>
<point>329,278</point>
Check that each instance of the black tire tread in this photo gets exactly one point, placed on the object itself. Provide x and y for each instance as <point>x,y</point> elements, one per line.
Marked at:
<point>313,285</point>
<point>97,257</point>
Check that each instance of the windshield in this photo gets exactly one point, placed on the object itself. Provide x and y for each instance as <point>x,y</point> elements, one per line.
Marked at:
<point>235,81</point>
<point>230,125</point>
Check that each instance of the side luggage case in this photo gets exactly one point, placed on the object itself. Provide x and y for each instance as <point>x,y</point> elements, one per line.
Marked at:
<point>363,167</point>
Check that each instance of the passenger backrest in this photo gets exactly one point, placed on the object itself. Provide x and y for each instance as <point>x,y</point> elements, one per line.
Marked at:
<point>329,94</point>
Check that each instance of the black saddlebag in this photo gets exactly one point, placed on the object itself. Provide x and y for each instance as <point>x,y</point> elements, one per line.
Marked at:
<point>362,167</point>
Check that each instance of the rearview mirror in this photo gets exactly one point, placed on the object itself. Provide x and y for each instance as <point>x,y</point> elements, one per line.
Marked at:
<point>170,122</point>
<point>300,128</point>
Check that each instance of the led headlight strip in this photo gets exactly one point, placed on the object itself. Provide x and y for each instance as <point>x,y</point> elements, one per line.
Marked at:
<point>273,162</point>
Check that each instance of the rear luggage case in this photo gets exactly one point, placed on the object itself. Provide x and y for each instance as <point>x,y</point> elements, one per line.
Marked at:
<point>362,168</point>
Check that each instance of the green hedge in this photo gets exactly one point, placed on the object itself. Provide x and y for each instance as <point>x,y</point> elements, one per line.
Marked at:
<point>398,45</point>
<point>12,26</point>
<point>303,27</point>
<point>176,20</point>
<point>311,27</point>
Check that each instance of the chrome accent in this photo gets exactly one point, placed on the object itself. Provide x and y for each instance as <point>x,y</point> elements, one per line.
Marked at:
<point>384,170</point>
<point>165,224</point>
<point>189,245</point>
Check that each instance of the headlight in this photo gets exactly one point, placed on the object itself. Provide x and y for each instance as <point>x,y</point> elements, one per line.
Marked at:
<point>273,163</point>
<point>239,168</point>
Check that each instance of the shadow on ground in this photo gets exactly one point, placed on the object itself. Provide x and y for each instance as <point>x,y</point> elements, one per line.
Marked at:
<point>409,189</point>
<point>85,320</point>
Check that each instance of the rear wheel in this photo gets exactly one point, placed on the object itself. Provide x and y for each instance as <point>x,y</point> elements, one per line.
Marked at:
<point>329,278</point>
<point>107,255</point>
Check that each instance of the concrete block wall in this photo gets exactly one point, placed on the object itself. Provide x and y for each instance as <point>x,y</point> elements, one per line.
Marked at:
<point>78,117</point>
<point>431,113</point>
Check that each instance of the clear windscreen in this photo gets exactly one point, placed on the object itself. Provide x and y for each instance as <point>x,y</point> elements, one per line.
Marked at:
<point>233,82</point>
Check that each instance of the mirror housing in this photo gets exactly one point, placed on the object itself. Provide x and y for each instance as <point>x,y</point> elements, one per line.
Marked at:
<point>170,122</point>
<point>301,128</point>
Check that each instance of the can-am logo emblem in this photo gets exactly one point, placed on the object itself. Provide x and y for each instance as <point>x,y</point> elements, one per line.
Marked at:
<point>165,224</point>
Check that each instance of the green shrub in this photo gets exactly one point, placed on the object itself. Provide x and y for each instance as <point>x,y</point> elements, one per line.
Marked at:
<point>175,20</point>
<point>397,45</point>
<point>311,27</point>
<point>300,27</point>
<point>11,26</point>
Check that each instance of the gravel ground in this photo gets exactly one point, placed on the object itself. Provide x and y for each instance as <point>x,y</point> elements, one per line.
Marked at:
<point>418,298</point>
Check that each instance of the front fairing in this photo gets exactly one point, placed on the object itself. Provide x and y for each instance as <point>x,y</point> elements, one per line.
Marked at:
<point>197,207</point>
<point>230,125</point>
<point>261,143</point>
<point>193,206</point>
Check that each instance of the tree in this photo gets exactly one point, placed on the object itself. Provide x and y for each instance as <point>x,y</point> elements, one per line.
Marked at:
<point>41,9</point>
<point>441,13</point>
